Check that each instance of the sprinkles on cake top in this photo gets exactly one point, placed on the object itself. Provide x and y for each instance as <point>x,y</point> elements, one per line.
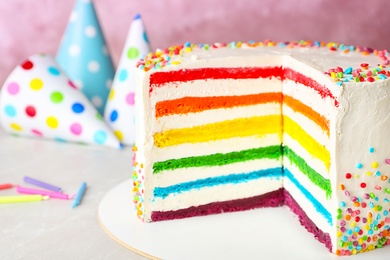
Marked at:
<point>161,58</point>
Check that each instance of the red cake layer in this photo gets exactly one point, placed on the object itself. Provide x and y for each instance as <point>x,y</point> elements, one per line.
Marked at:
<point>158,79</point>
<point>304,80</point>
<point>272,199</point>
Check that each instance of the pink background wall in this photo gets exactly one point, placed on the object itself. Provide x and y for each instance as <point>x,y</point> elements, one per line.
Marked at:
<point>34,26</point>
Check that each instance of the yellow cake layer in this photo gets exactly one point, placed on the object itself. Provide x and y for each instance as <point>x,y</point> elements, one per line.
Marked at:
<point>243,127</point>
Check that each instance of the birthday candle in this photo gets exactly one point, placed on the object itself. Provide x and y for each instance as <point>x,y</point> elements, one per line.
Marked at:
<point>5,186</point>
<point>41,184</point>
<point>51,194</point>
<point>22,198</point>
<point>79,195</point>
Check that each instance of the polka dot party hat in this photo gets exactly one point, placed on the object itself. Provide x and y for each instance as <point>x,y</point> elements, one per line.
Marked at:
<point>119,112</point>
<point>84,56</point>
<point>38,100</point>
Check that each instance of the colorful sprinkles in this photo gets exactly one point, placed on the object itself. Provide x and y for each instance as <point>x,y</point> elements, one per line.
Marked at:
<point>363,216</point>
<point>138,189</point>
<point>362,74</point>
<point>162,58</point>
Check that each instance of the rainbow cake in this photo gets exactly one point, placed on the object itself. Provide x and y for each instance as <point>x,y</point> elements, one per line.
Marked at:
<point>239,126</point>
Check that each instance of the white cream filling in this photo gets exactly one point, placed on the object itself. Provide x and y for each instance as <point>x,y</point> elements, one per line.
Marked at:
<point>317,217</point>
<point>220,87</point>
<point>304,180</point>
<point>177,176</point>
<point>215,115</point>
<point>309,68</point>
<point>219,146</point>
<point>308,125</point>
<point>313,162</point>
<point>197,197</point>
<point>309,97</point>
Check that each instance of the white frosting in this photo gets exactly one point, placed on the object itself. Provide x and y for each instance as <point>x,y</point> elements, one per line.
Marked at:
<point>307,96</point>
<point>360,121</point>
<point>363,123</point>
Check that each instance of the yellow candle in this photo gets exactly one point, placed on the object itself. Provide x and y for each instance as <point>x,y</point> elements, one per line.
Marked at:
<point>22,198</point>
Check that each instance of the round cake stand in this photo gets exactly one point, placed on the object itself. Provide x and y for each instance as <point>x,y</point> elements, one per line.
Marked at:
<point>267,233</point>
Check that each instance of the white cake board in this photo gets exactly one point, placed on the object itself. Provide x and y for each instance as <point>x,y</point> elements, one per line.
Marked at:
<point>267,233</point>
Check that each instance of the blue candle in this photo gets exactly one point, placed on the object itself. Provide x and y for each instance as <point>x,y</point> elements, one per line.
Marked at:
<point>79,195</point>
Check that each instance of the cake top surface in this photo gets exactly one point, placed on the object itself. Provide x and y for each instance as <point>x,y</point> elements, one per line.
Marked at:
<point>343,63</point>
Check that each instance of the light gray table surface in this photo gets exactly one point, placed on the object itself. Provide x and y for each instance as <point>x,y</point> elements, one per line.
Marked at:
<point>52,229</point>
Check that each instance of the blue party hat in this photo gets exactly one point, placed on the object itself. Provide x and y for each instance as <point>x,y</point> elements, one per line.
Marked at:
<point>84,56</point>
<point>120,112</point>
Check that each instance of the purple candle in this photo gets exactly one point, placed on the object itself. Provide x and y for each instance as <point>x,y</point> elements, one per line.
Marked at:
<point>42,184</point>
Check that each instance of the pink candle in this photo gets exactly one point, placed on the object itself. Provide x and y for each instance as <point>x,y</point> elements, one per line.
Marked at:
<point>51,194</point>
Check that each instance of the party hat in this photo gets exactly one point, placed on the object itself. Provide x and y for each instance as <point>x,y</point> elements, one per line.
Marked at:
<point>119,111</point>
<point>84,56</point>
<point>38,100</point>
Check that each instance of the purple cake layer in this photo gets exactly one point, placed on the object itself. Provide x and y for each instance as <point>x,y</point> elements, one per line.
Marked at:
<point>306,221</point>
<point>271,199</point>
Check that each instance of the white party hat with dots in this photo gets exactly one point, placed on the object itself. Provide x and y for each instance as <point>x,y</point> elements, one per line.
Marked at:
<point>119,111</point>
<point>84,56</point>
<point>38,100</point>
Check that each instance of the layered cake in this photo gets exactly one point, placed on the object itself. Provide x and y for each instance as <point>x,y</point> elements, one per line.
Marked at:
<point>239,126</point>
